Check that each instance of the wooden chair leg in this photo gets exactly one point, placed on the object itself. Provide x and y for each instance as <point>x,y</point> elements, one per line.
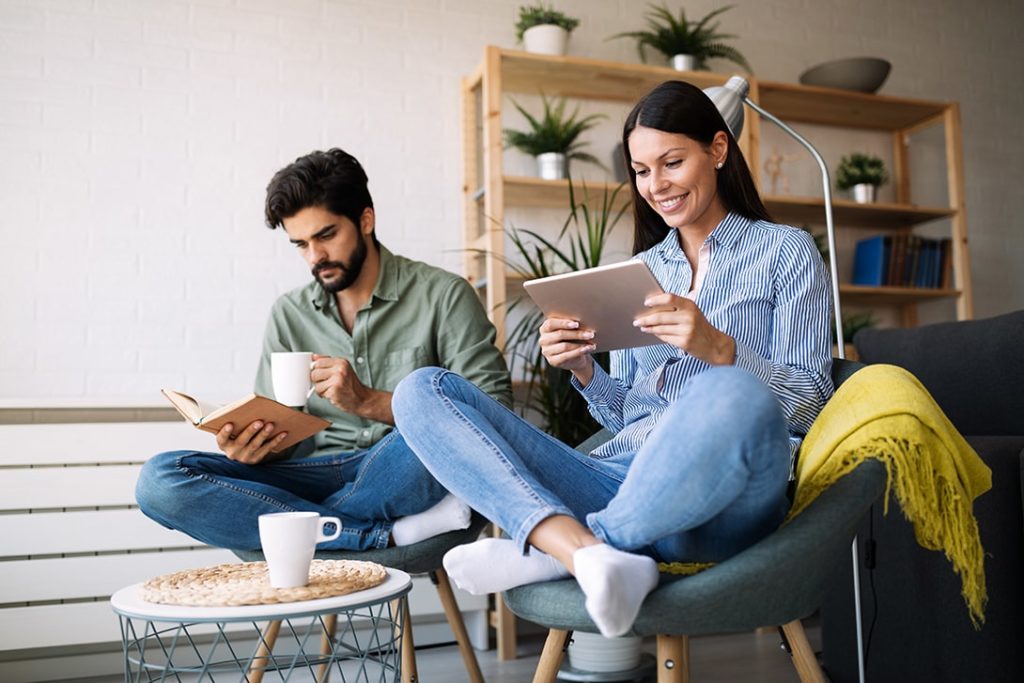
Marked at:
<point>259,661</point>
<point>458,626</point>
<point>807,667</point>
<point>326,646</point>
<point>551,656</point>
<point>503,621</point>
<point>673,659</point>
<point>409,673</point>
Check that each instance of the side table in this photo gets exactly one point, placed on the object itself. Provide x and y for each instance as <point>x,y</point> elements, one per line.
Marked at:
<point>356,637</point>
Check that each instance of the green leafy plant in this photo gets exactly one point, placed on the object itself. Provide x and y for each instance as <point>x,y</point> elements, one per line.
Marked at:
<point>538,15</point>
<point>860,168</point>
<point>854,323</point>
<point>554,131</point>
<point>548,393</point>
<point>677,36</point>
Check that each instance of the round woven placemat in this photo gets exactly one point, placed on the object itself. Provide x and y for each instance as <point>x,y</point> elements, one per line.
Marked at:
<point>248,583</point>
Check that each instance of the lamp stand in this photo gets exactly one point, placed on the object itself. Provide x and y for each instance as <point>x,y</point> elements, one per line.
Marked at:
<point>830,230</point>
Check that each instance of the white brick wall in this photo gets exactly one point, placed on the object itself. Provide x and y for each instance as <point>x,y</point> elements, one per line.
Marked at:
<point>137,137</point>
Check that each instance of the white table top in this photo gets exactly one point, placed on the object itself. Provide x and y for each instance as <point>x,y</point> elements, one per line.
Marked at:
<point>128,603</point>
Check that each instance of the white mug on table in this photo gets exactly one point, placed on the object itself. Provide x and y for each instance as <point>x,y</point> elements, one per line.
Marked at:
<point>289,540</point>
<point>290,375</point>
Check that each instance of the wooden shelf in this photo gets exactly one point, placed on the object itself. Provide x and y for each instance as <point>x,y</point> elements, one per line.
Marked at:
<point>856,294</point>
<point>526,191</point>
<point>800,210</point>
<point>523,72</point>
<point>832,107</point>
<point>892,296</point>
<point>554,194</point>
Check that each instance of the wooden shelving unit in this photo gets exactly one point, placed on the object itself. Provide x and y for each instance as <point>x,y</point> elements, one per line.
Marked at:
<point>488,191</point>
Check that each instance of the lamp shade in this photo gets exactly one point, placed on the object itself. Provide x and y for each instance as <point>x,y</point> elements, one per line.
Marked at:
<point>728,99</point>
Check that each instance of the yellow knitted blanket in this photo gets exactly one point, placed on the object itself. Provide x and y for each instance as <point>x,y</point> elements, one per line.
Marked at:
<point>883,412</point>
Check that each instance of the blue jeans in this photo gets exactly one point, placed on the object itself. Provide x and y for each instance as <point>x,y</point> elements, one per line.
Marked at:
<point>709,481</point>
<point>217,501</point>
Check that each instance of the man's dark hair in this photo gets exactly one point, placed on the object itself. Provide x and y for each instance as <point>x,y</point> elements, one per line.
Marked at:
<point>333,179</point>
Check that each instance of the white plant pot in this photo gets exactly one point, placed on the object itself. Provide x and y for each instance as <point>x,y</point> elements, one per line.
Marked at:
<point>684,63</point>
<point>593,652</point>
<point>552,166</point>
<point>864,193</point>
<point>546,39</point>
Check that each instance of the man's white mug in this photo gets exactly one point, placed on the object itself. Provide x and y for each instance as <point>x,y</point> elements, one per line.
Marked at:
<point>289,373</point>
<point>289,540</point>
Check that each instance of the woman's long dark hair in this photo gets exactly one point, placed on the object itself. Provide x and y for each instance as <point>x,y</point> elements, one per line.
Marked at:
<point>678,107</point>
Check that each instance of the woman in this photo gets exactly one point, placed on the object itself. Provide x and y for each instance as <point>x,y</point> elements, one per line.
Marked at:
<point>705,422</point>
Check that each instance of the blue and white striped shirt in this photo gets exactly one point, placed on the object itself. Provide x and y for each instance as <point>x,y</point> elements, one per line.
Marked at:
<point>767,287</point>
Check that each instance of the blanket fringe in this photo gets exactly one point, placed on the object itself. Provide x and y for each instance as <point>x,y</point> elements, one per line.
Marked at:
<point>941,517</point>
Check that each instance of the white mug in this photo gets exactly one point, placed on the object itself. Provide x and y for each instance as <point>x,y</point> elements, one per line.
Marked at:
<point>290,375</point>
<point>289,540</point>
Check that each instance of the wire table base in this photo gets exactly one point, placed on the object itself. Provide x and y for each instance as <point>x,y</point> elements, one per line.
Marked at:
<point>352,638</point>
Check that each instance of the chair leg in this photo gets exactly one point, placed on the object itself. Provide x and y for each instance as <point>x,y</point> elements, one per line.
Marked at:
<point>451,611</point>
<point>259,661</point>
<point>504,621</point>
<point>807,667</point>
<point>409,673</point>
<point>327,645</point>
<point>551,656</point>
<point>673,659</point>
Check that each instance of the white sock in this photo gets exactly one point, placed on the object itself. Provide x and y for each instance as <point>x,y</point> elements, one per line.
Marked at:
<point>448,515</point>
<point>615,583</point>
<point>492,565</point>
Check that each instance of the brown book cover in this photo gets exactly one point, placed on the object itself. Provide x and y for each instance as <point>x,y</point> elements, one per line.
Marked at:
<point>245,411</point>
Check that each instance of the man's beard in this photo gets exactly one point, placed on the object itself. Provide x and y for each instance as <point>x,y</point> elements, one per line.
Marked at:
<point>349,273</point>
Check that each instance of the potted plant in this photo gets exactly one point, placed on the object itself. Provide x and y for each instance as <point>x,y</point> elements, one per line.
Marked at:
<point>547,397</point>
<point>553,138</point>
<point>687,45</point>
<point>862,173</point>
<point>544,30</point>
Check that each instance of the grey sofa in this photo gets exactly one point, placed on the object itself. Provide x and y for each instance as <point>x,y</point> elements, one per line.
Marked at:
<point>916,626</point>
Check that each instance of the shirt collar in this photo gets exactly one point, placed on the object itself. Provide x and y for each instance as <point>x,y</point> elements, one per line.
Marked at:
<point>385,289</point>
<point>725,233</point>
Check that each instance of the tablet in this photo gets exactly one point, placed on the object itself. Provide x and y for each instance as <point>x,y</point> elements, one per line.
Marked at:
<point>605,299</point>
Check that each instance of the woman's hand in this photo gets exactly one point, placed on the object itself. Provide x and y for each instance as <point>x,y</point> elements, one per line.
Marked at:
<point>677,321</point>
<point>565,345</point>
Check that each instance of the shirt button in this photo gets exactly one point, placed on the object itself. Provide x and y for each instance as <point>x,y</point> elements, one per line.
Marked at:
<point>359,359</point>
<point>366,433</point>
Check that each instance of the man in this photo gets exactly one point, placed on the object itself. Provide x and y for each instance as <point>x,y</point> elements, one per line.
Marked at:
<point>370,318</point>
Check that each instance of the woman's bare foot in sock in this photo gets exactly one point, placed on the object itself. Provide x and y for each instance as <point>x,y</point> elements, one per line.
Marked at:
<point>615,584</point>
<point>492,565</point>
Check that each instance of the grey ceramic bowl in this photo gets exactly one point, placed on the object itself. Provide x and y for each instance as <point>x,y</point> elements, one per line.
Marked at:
<point>863,74</point>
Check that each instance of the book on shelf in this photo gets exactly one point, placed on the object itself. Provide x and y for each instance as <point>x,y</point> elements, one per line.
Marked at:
<point>903,260</point>
<point>245,411</point>
<point>870,261</point>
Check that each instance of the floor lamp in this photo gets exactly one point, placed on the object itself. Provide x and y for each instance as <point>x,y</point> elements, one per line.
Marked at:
<point>730,99</point>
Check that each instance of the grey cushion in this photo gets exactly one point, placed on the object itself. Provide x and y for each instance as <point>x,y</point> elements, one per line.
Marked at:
<point>418,558</point>
<point>972,368</point>
<point>773,582</point>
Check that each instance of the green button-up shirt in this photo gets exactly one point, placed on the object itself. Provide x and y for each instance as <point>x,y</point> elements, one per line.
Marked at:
<point>418,316</point>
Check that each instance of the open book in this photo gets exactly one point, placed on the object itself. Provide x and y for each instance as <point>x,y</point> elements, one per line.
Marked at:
<point>245,411</point>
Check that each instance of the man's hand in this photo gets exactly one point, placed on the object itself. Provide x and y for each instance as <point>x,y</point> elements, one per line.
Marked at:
<point>677,321</point>
<point>252,445</point>
<point>335,380</point>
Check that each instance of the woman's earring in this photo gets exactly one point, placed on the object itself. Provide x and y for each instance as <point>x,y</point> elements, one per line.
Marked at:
<point>719,165</point>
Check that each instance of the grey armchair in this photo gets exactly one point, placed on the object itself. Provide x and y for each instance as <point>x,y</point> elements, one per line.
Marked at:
<point>776,582</point>
<point>916,627</point>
